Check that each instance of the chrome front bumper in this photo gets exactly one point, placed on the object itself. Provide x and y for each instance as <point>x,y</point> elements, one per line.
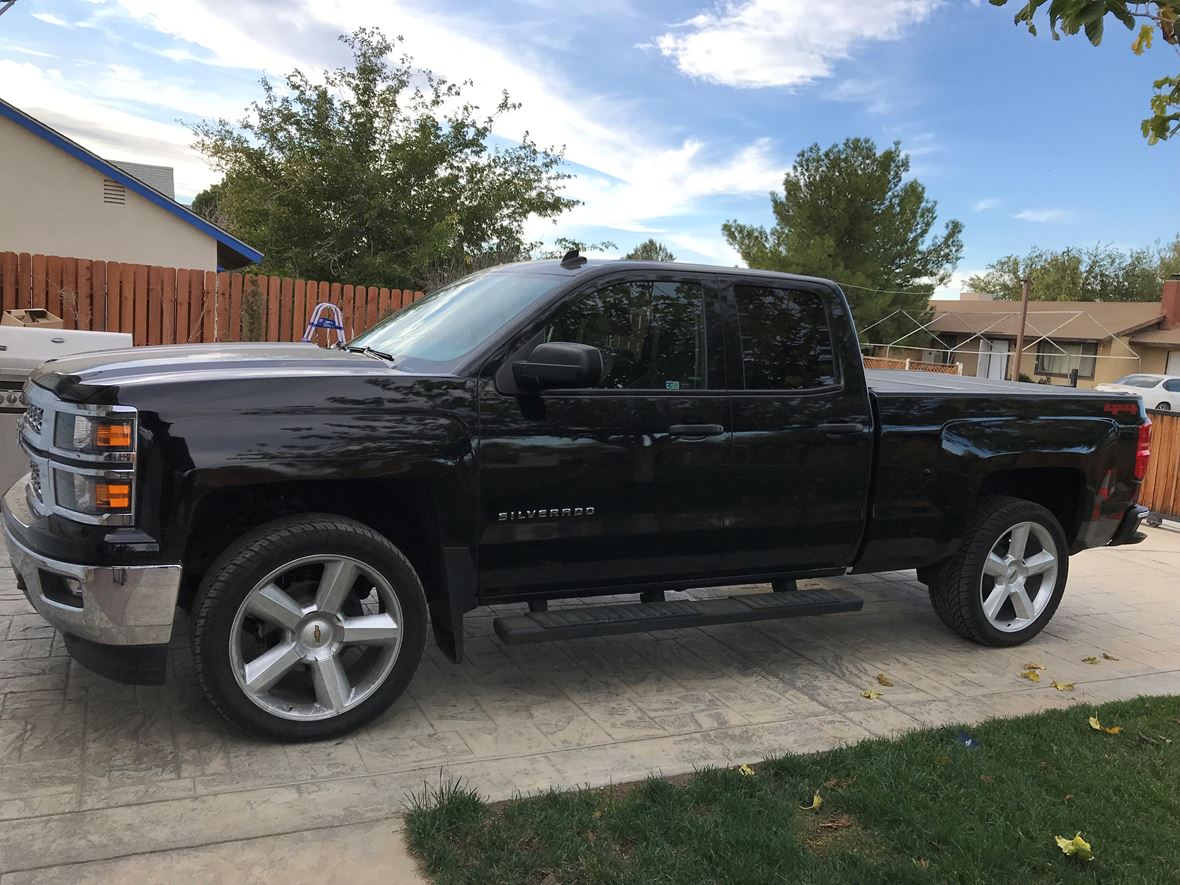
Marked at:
<point>131,605</point>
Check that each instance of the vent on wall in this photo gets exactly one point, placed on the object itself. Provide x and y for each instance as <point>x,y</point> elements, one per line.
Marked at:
<point>113,192</point>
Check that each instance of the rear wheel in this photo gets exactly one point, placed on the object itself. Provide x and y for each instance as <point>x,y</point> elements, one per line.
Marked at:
<point>308,627</point>
<point>1006,581</point>
<point>1164,407</point>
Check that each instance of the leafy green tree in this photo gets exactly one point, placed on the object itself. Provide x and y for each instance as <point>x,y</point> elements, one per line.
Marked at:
<point>1100,273</point>
<point>562,245</point>
<point>1089,16</point>
<point>849,213</point>
<point>380,172</point>
<point>650,250</point>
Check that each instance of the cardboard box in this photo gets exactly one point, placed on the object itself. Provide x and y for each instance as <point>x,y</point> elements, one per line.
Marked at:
<point>32,316</point>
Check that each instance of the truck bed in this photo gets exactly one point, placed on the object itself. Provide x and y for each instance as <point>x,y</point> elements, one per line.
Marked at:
<point>897,381</point>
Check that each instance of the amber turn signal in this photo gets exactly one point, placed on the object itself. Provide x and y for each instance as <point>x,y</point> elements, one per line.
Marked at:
<point>113,436</point>
<point>112,495</point>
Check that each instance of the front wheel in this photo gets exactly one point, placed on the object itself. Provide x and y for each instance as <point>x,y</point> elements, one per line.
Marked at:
<point>308,627</point>
<point>1006,581</point>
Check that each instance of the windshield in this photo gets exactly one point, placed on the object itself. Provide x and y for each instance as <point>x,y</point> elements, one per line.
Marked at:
<point>1139,381</point>
<point>452,321</point>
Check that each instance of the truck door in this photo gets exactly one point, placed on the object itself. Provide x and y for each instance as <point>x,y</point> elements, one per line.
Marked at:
<point>802,430</point>
<point>622,483</point>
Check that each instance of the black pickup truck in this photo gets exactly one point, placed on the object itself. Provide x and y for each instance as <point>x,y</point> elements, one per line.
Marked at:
<point>530,433</point>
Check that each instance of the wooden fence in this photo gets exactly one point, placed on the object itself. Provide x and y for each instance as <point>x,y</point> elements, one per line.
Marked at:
<point>168,305</point>
<point>881,362</point>
<point>1160,491</point>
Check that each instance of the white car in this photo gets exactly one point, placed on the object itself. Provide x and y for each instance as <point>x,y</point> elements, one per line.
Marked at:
<point>1158,391</point>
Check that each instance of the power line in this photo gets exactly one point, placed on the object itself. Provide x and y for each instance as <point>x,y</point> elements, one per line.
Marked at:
<point>882,291</point>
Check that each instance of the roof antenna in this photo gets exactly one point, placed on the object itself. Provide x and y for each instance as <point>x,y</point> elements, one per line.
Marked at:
<point>572,259</point>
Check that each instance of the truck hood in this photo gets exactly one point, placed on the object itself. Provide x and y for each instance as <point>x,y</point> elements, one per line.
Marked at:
<point>83,378</point>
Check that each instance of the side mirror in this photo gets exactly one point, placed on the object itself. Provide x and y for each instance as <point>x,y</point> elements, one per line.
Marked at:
<point>559,364</point>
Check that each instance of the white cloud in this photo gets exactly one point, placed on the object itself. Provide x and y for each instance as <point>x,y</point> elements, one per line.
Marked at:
<point>956,285</point>
<point>985,204</point>
<point>784,42</point>
<point>50,19</point>
<point>643,174</point>
<point>1045,216</point>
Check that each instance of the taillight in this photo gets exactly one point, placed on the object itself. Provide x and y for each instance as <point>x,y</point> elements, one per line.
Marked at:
<point>1143,450</point>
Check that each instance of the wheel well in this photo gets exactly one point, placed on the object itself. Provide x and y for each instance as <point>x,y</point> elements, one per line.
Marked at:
<point>1057,489</point>
<point>402,512</point>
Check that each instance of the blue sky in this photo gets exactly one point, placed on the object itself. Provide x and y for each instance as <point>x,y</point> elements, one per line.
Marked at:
<point>676,116</point>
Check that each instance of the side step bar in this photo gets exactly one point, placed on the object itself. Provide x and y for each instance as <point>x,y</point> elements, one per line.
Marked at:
<point>579,622</point>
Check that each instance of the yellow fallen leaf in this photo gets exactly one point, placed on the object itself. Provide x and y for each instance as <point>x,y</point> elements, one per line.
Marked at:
<point>1090,660</point>
<point>1062,686</point>
<point>870,693</point>
<point>1098,726</point>
<point>1034,666</point>
<point>1109,657</point>
<point>746,770</point>
<point>1075,847</point>
<point>884,680</point>
<point>921,863</point>
<point>1031,675</point>
<point>943,760</point>
<point>816,802</point>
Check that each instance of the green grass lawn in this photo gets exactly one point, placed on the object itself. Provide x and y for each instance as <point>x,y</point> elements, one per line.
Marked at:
<point>923,808</point>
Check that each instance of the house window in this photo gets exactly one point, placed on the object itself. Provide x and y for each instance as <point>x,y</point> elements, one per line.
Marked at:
<point>1061,357</point>
<point>113,192</point>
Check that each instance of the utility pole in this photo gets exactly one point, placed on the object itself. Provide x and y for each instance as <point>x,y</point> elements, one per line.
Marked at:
<point>1025,283</point>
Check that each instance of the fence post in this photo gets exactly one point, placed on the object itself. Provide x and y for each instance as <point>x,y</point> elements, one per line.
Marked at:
<point>907,363</point>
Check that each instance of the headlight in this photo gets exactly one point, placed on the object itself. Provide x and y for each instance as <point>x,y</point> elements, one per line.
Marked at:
<point>92,495</point>
<point>94,436</point>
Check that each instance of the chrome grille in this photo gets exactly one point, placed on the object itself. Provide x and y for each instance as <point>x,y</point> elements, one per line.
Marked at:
<point>34,415</point>
<point>35,481</point>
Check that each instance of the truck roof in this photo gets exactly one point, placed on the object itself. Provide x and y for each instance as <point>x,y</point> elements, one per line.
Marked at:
<point>554,266</point>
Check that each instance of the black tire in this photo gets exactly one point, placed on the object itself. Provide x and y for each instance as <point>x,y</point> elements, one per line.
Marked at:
<point>247,562</point>
<point>956,591</point>
<point>1164,407</point>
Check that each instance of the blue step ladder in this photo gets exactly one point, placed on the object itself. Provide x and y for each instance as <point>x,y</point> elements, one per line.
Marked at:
<point>326,316</point>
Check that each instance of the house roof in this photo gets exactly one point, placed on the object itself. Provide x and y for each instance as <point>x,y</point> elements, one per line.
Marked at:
<point>1063,320</point>
<point>1158,336</point>
<point>232,253</point>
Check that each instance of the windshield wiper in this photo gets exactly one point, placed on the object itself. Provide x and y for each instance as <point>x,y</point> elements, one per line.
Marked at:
<point>368,351</point>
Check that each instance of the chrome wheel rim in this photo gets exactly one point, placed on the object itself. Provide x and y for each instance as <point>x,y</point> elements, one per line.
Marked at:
<point>1019,575</point>
<point>316,637</point>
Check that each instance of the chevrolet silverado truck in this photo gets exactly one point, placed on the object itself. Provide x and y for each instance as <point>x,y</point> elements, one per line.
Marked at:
<point>531,433</point>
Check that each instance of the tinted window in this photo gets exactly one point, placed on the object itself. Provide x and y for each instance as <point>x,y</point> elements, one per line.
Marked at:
<point>786,340</point>
<point>651,334</point>
<point>1172,386</point>
<point>1139,381</point>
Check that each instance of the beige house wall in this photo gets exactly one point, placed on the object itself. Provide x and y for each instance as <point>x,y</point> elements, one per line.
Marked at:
<point>52,203</point>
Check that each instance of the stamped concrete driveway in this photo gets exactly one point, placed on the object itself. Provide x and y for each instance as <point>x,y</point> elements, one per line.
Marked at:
<point>100,781</point>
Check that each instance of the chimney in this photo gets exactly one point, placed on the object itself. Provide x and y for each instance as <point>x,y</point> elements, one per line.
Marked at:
<point>1170,303</point>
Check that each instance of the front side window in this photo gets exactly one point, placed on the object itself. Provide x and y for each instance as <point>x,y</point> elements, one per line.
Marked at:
<point>1144,381</point>
<point>651,334</point>
<point>786,339</point>
<point>1060,358</point>
<point>1172,386</point>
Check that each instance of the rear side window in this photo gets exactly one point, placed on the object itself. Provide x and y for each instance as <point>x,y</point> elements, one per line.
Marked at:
<point>651,333</point>
<point>786,339</point>
<point>1172,386</point>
